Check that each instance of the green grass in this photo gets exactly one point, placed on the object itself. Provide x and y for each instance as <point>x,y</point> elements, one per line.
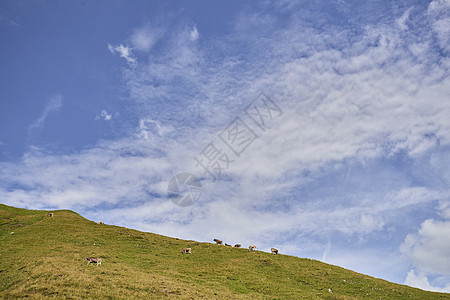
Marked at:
<point>44,257</point>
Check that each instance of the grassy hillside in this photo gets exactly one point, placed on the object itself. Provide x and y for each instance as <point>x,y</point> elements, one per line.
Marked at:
<point>42,256</point>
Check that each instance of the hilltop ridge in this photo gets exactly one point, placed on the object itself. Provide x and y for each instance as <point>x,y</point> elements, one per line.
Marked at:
<point>44,257</point>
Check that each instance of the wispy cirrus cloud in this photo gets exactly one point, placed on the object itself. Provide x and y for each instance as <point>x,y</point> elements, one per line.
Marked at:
<point>53,105</point>
<point>4,19</point>
<point>439,11</point>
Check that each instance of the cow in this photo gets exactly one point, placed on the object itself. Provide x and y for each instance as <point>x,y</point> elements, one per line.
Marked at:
<point>251,248</point>
<point>218,242</point>
<point>237,246</point>
<point>94,260</point>
<point>274,251</point>
<point>50,215</point>
<point>101,223</point>
<point>186,251</point>
<point>228,245</point>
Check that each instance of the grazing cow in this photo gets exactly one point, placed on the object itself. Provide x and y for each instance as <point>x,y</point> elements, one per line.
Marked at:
<point>50,215</point>
<point>228,245</point>
<point>274,251</point>
<point>101,223</point>
<point>94,260</point>
<point>251,248</point>
<point>186,251</point>
<point>237,246</point>
<point>218,242</point>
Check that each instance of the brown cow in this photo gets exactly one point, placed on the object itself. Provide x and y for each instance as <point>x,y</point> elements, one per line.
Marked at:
<point>228,245</point>
<point>274,251</point>
<point>237,246</point>
<point>186,251</point>
<point>251,248</point>
<point>218,242</point>
<point>94,260</point>
<point>50,214</point>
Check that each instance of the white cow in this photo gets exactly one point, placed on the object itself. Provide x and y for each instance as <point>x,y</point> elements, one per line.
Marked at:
<point>186,251</point>
<point>94,260</point>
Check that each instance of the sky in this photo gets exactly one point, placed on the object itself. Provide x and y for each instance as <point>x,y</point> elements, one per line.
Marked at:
<point>321,128</point>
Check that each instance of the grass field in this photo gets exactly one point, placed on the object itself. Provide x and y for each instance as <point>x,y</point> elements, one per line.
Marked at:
<point>44,257</point>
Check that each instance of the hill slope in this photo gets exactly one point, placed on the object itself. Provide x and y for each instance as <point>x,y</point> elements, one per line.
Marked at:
<point>42,256</point>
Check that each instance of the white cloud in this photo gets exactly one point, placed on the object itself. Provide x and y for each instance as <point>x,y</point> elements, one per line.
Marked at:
<point>439,11</point>
<point>421,281</point>
<point>444,208</point>
<point>403,19</point>
<point>120,172</point>
<point>53,105</point>
<point>429,248</point>
<point>104,116</point>
<point>124,52</point>
<point>194,34</point>
<point>148,126</point>
<point>145,37</point>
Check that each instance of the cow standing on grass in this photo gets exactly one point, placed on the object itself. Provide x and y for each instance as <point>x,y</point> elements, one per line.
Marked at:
<point>251,248</point>
<point>237,246</point>
<point>274,251</point>
<point>94,260</point>
<point>218,242</point>
<point>186,251</point>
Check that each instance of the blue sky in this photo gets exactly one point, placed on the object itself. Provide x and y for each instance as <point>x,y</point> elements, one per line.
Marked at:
<point>103,102</point>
